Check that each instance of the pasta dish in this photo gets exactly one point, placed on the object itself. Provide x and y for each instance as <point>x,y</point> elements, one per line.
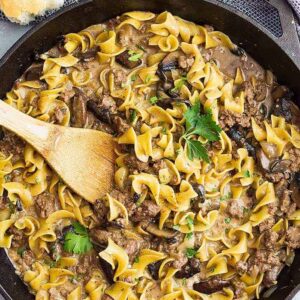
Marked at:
<point>206,200</point>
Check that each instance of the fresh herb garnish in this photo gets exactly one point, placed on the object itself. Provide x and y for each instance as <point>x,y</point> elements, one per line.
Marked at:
<point>227,220</point>
<point>190,222</point>
<point>78,240</point>
<point>21,251</point>
<point>164,130</point>
<point>201,125</point>
<point>136,259</point>
<point>245,210</point>
<point>153,100</point>
<point>148,78</point>
<point>189,235</point>
<point>132,116</point>
<point>226,197</point>
<point>133,77</point>
<point>134,55</point>
<point>179,83</point>
<point>190,252</point>
<point>247,174</point>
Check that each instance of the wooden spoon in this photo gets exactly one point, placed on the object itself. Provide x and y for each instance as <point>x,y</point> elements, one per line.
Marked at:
<point>83,158</point>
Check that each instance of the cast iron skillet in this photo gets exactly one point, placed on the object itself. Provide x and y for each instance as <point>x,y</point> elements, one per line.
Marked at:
<point>281,55</point>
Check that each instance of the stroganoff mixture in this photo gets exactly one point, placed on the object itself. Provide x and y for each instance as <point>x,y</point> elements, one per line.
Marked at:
<point>206,197</point>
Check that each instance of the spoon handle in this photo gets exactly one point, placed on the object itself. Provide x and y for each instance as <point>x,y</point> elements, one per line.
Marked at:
<point>34,131</point>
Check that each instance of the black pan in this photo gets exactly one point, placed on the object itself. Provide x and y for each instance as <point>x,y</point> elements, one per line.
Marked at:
<point>280,54</point>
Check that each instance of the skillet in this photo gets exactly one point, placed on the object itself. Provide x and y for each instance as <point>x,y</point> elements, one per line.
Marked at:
<point>279,53</point>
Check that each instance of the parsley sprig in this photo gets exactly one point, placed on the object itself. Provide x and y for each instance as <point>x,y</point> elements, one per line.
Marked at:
<point>78,240</point>
<point>200,125</point>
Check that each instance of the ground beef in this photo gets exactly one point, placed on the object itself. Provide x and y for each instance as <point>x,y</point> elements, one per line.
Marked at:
<point>120,125</point>
<point>19,238</point>
<point>294,154</point>
<point>158,165</point>
<point>270,238</point>
<point>87,263</point>
<point>271,275</point>
<point>135,165</point>
<point>241,267</point>
<point>3,202</point>
<point>191,268</point>
<point>120,76</point>
<point>101,210</point>
<point>277,176</point>
<point>248,89</point>
<point>235,209</point>
<point>266,224</point>
<point>263,260</point>
<point>145,212</point>
<point>122,196</point>
<point>11,144</point>
<point>45,204</point>
<point>131,246</point>
<point>293,237</point>
<point>185,62</point>
<point>227,119</point>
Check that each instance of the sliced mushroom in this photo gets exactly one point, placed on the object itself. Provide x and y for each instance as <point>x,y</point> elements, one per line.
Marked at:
<point>102,114</point>
<point>107,270</point>
<point>269,149</point>
<point>89,54</point>
<point>167,102</point>
<point>162,233</point>
<point>267,105</point>
<point>78,110</point>
<point>280,165</point>
<point>282,108</point>
<point>238,51</point>
<point>279,91</point>
<point>170,62</point>
<point>263,160</point>
<point>154,268</point>
<point>248,144</point>
<point>191,268</point>
<point>34,72</point>
<point>295,188</point>
<point>200,190</point>
<point>211,286</point>
<point>237,133</point>
<point>123,60</point>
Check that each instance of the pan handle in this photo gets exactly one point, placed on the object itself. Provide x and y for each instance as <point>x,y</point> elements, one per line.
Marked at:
<point>289,41</point>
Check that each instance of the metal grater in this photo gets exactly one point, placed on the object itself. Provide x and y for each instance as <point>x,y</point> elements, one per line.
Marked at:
<point>261,11</point>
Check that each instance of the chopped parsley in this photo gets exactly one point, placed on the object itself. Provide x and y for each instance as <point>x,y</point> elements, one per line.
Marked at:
<point>226,197</point>
<point>189,235</point>
<point>134,55</point>
<point>245,210</point>
<point>179,84</point>
<point>141,47</point>
<point>153,100</point>
<point>190,252</point>
<point>148,78</point>
<point>132,116</point>
<point>78,240</point>
<point>202,125</point>
<point>227,220</point>
<point>136,259</point>
<point>21,251</point>
<point>133,77</point>
<point>164,130</point>
<point>247,174</point>
<point>190,222</point>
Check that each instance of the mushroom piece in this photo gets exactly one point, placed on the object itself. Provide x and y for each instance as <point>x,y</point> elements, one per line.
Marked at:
<point>238,51</point>
<point>248,144</point>
<point>34,72</point>
<point>267,105</point>
<point>295,188</point>
<point>191,268</point>
<point>167,102</point>
<point>107,270</point>
<point>282,108</point>
<point>280,165</point>
<point>153,269</point>
<point>269,149</point>
<point>162,233</point>
<point>211,286</point>
<point>102,114</point>
<point>279,91</point>
<point>263,160</point>
<point>89,55</point>
<point>237,133</point>
<point>78,110</point>
<point>124,60</point>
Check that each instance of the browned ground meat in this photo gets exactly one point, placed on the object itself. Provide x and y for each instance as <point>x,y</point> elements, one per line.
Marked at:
<point>87,263</point>
<point>212,285</point>
<point>120,76</point>
<point>267,224</point>
<point>270,239</point>
<point>145,212</point>
<point>185,62</point>
<point>11,144</point>
<point>45,204</point>
<point>271,275</point>
<point>120,125</point>
<point>241,267</point>
<point>134,164</point>
<point>235,209</point>
<point>19,238</point>
<point>131,246</point>
<point>191,268</point>
<point>101,210</point>
<point>3,202</point>
<point>293,237</point>
<point>263,260</point>
<point>294,154</point>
